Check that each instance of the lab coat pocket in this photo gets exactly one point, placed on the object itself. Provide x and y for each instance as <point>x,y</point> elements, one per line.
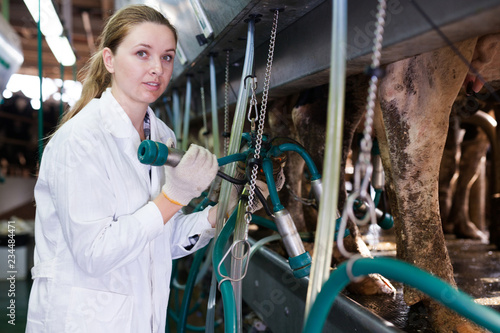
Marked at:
<point>98,311</point>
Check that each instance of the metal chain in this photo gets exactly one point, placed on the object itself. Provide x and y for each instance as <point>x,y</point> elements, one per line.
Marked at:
<point>364,162</point>
<point>226,106</point>
<point>253,177</point>
<point>364,167</point>
<point>262,117</point>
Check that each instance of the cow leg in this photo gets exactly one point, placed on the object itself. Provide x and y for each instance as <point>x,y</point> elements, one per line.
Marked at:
<point>415,99</point>
<point>477,198</point>
<point>474,147</point>
<point>309,118</point>
<point>448,173</point>
<point>281,125</point>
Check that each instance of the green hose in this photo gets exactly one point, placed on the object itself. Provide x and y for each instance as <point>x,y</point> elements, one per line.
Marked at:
<point>226,289</point>
<point>400,271</point>
<point>263,222</point>
<point>188,291</point>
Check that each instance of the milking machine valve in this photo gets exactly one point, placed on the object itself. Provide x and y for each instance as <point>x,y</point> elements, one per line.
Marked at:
<point>156,153</point>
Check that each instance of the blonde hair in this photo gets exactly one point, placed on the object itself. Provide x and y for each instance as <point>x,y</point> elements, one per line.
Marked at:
<point>96,78</point>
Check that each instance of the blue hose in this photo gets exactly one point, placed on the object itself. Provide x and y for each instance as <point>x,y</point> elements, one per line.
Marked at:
<point>400,271</point>
<point>303,153</point>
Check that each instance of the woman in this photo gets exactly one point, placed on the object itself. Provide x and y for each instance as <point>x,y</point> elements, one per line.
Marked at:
<point>108,227</point>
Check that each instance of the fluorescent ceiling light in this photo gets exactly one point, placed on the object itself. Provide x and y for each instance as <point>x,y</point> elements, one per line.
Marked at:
<point>202,19</point>
<point>64,53</point>
<point>52,29</point>
<point>50,25</point>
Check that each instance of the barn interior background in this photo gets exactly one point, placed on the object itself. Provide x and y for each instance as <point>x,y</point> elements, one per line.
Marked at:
<point>209,69</point>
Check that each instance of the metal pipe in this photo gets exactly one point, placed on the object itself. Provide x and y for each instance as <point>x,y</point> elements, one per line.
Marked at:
<point>325,231</point>
<point>5,10</point>
<point>213,101</point>
<point>40,75</point>
<point>299,259</point>
<point>238,122</point>
<point>234,145</point>
<point>61,105</point>
<point>187,114</point>
<point>177,113</point>
<point>237,263</point>
<point>291,238</point>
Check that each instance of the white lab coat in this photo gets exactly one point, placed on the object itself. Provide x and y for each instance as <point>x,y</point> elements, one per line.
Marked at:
<point>103,257</point>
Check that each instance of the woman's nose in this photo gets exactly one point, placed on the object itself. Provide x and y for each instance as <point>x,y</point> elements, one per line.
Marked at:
<point>156,67</point>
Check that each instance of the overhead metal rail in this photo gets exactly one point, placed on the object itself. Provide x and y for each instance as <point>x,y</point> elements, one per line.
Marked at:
<point>302,54</point>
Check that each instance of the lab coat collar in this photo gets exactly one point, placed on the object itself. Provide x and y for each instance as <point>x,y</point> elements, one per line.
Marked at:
<point>117,122</point>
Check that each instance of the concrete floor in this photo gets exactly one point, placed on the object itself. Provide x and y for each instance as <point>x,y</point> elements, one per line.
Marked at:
<point>477,273</point>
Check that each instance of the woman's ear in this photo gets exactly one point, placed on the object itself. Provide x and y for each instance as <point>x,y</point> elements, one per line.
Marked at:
<point>108,59</point>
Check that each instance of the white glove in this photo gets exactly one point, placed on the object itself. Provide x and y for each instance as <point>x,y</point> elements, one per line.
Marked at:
<point>194,173</point>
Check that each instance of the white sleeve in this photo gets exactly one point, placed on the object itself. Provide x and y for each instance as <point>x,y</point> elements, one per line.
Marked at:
<point>183,226</point>
<point>85,202</point>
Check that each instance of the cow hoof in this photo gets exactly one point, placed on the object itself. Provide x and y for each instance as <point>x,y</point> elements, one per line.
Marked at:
<point>470,231</point>
<point>374,284</point>
<point>445,320</point>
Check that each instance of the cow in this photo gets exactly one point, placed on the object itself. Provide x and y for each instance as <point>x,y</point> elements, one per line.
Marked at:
<point>462,172</point>
<point>414,104</point>
<point>412,113</point>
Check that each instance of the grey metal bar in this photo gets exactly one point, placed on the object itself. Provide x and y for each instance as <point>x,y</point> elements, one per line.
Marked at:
<point>213,102</point>
<point>187,114</point>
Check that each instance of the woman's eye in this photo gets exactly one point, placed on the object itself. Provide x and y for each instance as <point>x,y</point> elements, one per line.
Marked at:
<point>167,57</point>
<point>141,54</point>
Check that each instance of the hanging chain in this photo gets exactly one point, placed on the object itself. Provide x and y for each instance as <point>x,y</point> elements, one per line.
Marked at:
<point>260,128</point>
<point>226,106</point>
<point>258,146</point>
<point>364,167</point>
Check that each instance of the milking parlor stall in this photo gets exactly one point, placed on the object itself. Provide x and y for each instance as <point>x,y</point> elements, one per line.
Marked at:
<point>372,143</point>
<point>361,139</point>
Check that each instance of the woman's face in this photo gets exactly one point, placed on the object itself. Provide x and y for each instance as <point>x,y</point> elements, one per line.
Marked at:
<point>142,65</point>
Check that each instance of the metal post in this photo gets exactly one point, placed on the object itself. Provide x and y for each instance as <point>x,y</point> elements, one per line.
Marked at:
<point>5,10</point>
<point>177,114</point>
<point>213,101</point>
<point>187,114</point>
<point>234,145</point>
<point>323,243</point>
<point>40,75</point>
<point>61,105</point>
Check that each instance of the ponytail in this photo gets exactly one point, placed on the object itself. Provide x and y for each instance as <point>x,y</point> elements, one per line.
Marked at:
<point>96,80</point>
